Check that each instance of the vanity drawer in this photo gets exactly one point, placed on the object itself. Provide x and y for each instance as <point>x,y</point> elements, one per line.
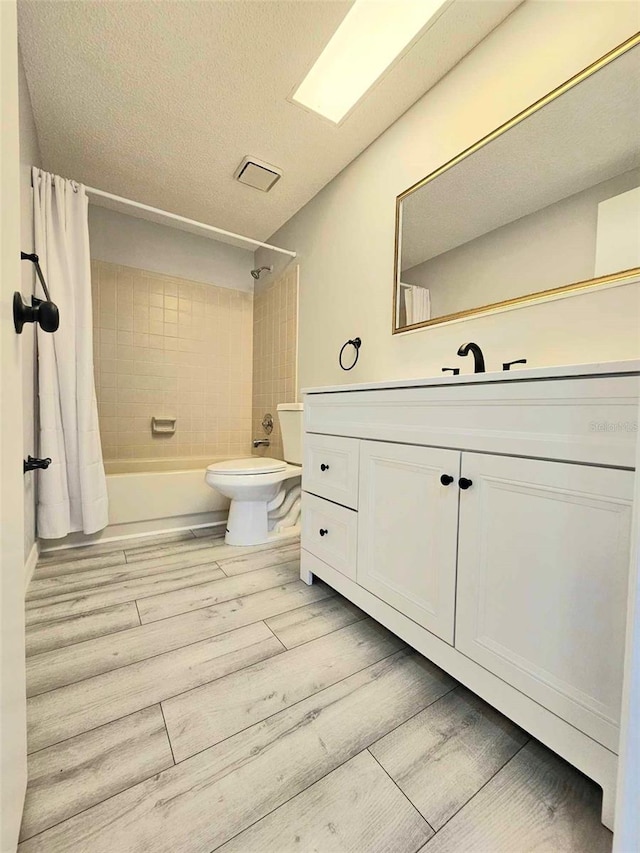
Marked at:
<point>330,533</point>
<point>331,468</point>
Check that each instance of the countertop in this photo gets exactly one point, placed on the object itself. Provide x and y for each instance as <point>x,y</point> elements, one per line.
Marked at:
<point>606,368</point>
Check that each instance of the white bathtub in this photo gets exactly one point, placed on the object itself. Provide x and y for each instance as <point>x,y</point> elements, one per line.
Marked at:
<point>147,497</point>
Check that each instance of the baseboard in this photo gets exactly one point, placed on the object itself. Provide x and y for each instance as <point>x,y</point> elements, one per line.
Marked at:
<point>30,564</point>
<point>133,531</point>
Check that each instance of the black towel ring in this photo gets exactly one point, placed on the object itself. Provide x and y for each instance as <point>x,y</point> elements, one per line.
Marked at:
<point>356,343</point>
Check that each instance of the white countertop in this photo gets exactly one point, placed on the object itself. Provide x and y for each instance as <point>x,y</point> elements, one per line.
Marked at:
<point>606,368</point>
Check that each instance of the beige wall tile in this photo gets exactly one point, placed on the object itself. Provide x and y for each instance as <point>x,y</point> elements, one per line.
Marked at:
<point>274,359</point>
<point>159,352</point>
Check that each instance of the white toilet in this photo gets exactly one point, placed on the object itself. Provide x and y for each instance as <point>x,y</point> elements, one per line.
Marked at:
<point>265,493</point>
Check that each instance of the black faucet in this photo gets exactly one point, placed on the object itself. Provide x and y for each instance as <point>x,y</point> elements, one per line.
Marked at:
<point>465,349</point>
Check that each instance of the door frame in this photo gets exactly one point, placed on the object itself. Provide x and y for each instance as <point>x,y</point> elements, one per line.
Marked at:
<point>13,743</point>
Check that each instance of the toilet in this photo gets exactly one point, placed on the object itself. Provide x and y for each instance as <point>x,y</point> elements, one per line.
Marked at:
<point>264,492</point>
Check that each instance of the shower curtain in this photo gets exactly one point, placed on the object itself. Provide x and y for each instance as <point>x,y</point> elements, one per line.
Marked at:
<point>417,302</point>
<point>72,492</point>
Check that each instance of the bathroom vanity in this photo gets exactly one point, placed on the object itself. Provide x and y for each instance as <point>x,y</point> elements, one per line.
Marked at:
<point>486,520</point>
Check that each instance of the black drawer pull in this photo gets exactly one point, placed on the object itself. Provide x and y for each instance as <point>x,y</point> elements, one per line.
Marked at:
<point>323,531</point>
<point>324,467</point>
<point>446,479</point>
<point>464,483</point>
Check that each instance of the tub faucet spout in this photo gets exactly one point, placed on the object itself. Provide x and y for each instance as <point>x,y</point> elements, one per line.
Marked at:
<point>261,442</point>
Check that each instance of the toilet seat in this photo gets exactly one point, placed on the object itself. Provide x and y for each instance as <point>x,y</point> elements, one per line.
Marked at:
<point>247,466</point>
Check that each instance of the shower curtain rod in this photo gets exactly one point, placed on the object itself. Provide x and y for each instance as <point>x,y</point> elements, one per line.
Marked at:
<point>174,216</point>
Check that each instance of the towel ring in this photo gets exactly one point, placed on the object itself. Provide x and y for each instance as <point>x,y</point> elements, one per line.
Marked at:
<point>356,343</point>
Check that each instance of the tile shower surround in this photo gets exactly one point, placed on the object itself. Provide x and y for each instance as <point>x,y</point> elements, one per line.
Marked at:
<point>275,354</point>
<point>171,348</point>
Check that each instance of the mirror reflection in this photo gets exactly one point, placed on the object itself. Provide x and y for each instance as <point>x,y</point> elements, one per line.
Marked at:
<point>552,202</point>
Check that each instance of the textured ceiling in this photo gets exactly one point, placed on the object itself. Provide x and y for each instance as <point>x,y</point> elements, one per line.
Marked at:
<point>588,135</point>
<point>159,101</point>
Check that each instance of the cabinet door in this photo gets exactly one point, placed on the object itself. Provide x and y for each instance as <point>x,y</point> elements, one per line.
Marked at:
<point>407,530</point>
<point>543,561</point>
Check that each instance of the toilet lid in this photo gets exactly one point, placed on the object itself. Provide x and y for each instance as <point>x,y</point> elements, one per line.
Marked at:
<point>249,465</point>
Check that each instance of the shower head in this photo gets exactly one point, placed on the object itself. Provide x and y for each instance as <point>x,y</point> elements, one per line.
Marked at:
<point>256,273</point>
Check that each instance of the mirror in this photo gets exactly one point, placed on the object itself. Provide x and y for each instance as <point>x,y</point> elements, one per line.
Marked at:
<point>546,205</point>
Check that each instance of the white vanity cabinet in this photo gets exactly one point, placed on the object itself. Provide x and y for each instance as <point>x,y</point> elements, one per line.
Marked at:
<point>486,520</point>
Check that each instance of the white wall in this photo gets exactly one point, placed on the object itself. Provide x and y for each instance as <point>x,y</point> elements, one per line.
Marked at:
<point>29,156</point>
<point>546,249</point>
<point>133,242</point>
<point>345,235</point>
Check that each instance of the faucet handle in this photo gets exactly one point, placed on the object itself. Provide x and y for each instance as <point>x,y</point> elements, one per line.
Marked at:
<point>507,364</point>
<point>454,370</point>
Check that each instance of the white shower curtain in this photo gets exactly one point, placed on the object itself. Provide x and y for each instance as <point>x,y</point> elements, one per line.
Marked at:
<point>72,492</point>
<point>417,301</point>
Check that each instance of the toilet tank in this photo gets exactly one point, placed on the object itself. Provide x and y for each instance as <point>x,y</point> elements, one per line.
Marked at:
<point>290,417</point>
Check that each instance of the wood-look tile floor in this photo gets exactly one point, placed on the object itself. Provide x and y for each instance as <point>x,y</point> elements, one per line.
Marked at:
<point>187,696</point>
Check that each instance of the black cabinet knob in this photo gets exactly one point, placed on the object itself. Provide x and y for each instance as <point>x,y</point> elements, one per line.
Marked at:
<point>323,531</point>
<point>464,483</point>
<point>446,479</point>
<point>324,467</point>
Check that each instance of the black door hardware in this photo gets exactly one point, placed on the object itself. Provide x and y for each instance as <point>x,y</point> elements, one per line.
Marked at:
<point>464,483</point>
<point>454,370</point>
<point>507,364</point>
<point>356,343</point>
<point>446,479</point>
<point>323,531</point>
<point>324,467</point>
<point>30,464</point>
<point>478,358</point>
<point>43,312</point>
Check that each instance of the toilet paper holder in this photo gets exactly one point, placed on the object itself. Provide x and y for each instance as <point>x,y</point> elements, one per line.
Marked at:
<point>163,426</point>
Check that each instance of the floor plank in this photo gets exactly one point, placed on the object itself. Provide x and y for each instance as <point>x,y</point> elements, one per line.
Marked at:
<point>160,552</point>
<point>84,660</point>
<point>76,708</point>
<point>97,579</point>
<point>355,808</point>
<point>216,531</point>
<point>215,711</point>
<point>315,620</point>
<point>224,551</point>
<point>69,555</point>
<point>204,801</point>
<point>182,600</point>
<point>67,778</point>
<point>198,557</point>
<point>73,603</point>
<point>260,560</point>
<point>132,546</point>
<point>46,636</point>
<point>442,757</point>
<point>46,569</point>
<point>537,802</point>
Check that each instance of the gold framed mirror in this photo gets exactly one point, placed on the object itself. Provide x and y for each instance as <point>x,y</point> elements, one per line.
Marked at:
<point>546,205</point>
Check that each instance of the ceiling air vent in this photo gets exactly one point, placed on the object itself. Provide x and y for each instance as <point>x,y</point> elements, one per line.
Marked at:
<point>257,174</point>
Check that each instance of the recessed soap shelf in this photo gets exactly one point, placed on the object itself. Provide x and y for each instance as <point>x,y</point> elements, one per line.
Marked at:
<point>163,426</point>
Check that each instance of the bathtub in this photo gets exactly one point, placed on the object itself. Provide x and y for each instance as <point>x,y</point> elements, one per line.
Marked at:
<point>154,496</point>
